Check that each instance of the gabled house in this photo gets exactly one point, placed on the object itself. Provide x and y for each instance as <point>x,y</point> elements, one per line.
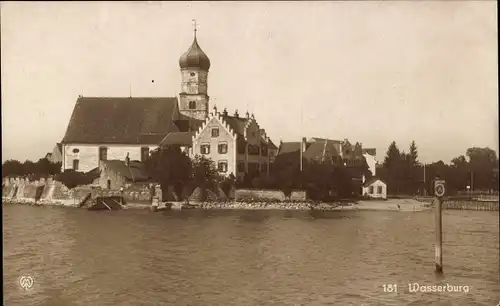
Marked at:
<point>56,155</point>
<point>115,174</point>
<point>322,149</point>
<point>236,144</point>
<point>375,188</point>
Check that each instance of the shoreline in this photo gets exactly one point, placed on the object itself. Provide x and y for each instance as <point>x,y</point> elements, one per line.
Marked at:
<point>405,205</point>
<point>235,205</point>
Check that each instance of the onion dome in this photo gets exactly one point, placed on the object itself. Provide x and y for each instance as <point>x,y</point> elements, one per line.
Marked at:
<point>194,57</point>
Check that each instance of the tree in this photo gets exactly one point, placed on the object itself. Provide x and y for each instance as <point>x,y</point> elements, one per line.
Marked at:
<point>483,162</point>
<point>459,162</point>
<point>42,168</point>
<point>392,156</point>
<point>204,174</point>
<point>169,166</point>
<point>72,178</point>
<point>12,167</point>
<point>413,154</point>
<point>45,167</point>
<point>29,167</point>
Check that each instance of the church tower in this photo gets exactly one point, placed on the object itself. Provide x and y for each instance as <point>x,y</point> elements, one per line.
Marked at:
<point>193,99</point>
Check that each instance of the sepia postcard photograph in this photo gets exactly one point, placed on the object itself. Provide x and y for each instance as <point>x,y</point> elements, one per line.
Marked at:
<point>250,153</point>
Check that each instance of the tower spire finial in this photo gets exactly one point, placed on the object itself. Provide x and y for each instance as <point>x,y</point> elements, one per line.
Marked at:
<point>194,27</point>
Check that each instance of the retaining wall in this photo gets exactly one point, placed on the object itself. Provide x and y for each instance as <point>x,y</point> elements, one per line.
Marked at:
<point>50,192</point>
<point>258,194</point>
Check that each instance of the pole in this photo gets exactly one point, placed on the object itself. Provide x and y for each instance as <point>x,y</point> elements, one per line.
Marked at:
<point>439,235</point>
<point>425,186</point>
<point>301,165</point>
<point>472,180</point>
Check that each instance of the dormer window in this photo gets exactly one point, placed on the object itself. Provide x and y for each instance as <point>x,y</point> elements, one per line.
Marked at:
<point>215,132</point>
<point>192,104</point>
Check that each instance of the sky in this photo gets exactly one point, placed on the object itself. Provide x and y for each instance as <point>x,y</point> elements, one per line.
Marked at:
<point>369,71</point>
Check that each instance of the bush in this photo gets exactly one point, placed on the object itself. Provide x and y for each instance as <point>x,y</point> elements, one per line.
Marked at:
<point>71,178</point>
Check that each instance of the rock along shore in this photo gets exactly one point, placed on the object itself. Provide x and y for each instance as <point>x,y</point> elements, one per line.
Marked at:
<point>271,206</point>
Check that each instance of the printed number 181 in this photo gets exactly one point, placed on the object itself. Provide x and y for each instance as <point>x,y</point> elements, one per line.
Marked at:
<point>390,287</point>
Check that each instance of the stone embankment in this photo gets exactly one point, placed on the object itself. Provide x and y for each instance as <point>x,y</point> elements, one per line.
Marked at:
<point>270,205</point>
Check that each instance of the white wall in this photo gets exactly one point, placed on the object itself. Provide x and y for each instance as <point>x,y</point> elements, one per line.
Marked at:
<point>376,194</point>
<point>88,154</point>
<point>205,137</point>
<point>372,163</point>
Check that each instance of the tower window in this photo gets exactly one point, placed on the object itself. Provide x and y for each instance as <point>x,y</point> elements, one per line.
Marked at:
<point>192,104</point>
<point>215,132</point>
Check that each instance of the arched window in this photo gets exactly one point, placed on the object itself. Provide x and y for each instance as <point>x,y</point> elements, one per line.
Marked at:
<point>192,104</point>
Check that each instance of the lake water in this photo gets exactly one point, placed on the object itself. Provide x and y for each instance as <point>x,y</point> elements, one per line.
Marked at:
<point>80,257</point>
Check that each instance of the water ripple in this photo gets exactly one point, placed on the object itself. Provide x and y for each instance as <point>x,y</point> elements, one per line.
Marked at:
<point>79,257</point>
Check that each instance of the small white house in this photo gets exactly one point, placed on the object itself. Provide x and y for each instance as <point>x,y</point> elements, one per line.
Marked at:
<point>375,188</point>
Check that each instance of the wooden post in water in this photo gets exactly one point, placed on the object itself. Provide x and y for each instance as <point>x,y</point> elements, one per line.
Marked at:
<point>439,236</point>
<point>439,191</point>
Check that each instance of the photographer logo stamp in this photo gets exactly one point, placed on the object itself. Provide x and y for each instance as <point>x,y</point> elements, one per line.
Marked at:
<point>26,282</point>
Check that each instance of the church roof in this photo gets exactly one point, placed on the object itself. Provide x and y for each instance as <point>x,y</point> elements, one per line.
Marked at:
<point>178,138</point>
<point>188,125</point>
<point>121,120</point>
<point>194,57</point>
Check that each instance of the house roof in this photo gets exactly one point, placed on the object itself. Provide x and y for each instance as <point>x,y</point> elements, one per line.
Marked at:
<point>318,149</point>
<point>121,120</point>
<point>135,172</point>
<point>323,139</point>
<point>370,151</point>
<point>271,144</point>
<point>238,124</point>
<point>178,138</point>
<point>372,180</point>
<point>289,147</point>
